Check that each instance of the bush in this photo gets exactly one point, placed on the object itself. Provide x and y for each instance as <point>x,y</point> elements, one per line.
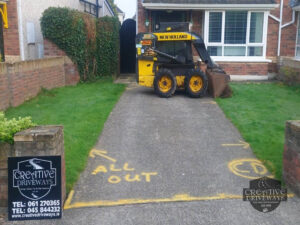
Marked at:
<point>289,76</point>
<point>92,44</point>
<point>8,128</point>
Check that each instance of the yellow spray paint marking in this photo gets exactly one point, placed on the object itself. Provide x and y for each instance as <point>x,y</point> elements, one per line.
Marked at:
<point>113,168</point>
<point>114,179</point>
<point>126,168</point>
<point>243,144</point>
<point>175,198</point>
<point>248,168</point>
<point>101,153</point>
<point>99,169</point>
<point>148,176</point>
<point>129,179</point>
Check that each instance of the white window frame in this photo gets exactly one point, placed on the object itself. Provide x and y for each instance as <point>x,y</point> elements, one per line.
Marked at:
<point>297,44</point>
<point>245,58</point>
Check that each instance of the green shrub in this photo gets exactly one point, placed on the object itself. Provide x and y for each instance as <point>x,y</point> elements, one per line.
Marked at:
<point>289,76</point>
<point>92,44</point>
<point>8,128</point>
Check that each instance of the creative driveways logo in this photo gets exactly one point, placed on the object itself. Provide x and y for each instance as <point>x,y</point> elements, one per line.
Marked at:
<point>34,178</point>
<point>265,194</point>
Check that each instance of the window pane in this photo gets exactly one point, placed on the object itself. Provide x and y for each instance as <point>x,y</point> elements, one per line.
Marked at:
<point>215,27</point>
<point>163,16</point>
<point>256,27</point>
<point>214,50</point>
<point>255,51</point>
<point>235,27</point>
<point>234,51</point>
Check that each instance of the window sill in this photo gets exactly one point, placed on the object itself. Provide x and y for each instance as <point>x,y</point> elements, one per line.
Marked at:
<point>297,58</point>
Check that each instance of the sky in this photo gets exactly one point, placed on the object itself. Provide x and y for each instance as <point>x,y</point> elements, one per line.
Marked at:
<point>127,6</point>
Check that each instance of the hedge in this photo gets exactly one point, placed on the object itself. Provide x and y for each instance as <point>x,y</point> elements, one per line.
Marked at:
<point>92,44</point>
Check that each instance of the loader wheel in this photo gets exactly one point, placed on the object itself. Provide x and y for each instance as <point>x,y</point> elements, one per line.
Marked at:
<point>196,83</point>
<point>165,83</point>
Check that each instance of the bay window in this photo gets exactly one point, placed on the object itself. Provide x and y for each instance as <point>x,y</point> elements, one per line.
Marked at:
<point>236,34</point>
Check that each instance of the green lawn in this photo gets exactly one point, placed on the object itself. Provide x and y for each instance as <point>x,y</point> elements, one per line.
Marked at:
<point>82,110</point>
<point>259,111</point>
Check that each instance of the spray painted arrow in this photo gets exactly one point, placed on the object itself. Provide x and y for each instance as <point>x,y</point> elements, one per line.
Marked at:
<point>101,153</point>
<point>243,144</point>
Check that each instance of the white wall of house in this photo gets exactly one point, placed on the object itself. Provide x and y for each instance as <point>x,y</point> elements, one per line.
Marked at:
<point>31,38</point>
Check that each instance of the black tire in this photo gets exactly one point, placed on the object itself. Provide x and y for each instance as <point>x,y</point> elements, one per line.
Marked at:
<point>200,84</point>
<point>165,83</point>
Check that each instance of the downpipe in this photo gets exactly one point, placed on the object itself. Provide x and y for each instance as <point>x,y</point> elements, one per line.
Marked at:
<point>279,20</point>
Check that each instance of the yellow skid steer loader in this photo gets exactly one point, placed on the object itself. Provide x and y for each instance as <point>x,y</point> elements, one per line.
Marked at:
<point>165,63</point>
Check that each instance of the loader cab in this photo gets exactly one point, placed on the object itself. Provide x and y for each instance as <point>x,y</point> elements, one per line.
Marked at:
<point>175,48</point>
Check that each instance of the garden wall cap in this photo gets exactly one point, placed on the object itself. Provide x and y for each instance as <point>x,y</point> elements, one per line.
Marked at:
<point>294,122</point>
<point>294,125</point>
<point>36,133</point>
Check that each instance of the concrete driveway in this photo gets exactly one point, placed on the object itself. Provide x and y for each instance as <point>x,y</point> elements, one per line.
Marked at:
<point>169,161</point>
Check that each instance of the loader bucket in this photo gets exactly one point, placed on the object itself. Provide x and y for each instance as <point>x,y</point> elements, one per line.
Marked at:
<point>218,84</point>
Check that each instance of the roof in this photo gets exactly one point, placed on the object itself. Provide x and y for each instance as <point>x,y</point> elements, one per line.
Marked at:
<point>211,1</point>
<point>119,10</point>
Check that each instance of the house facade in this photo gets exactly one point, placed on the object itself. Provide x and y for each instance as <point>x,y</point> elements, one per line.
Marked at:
<point>245,37</point>
<point>121,15</point>
<point>23,39</point>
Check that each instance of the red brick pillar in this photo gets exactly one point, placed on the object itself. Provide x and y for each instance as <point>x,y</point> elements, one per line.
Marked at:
<point>291,156</point>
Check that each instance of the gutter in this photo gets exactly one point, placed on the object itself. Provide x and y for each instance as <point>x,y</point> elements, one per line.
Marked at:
<point>209,6</point>
<point>20,25</point>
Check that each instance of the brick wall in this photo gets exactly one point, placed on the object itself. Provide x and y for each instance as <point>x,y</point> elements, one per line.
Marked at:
<point>239,68</point>
<point>141,18</point>
<point>289,70</point>
<point>197,18</point>
<point>291,156</point>
<point>21,81</point>
<point>11,35</point>
<point>71,72</point>
<point>272,39</point>
<point>288,39</point>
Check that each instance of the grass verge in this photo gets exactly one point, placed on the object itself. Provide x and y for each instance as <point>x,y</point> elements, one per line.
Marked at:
<point>259,111</point>
<point>82,110</point>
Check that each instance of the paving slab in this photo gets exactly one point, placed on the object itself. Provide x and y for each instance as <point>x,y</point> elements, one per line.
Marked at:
<point>169,161</point>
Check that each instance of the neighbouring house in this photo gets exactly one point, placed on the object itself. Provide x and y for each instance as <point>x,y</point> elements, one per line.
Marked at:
<point>22,38</point>
<point>246,37</point>
<point>121,15</point>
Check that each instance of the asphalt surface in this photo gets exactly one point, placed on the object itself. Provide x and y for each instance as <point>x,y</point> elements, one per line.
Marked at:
<point>169,161</point>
